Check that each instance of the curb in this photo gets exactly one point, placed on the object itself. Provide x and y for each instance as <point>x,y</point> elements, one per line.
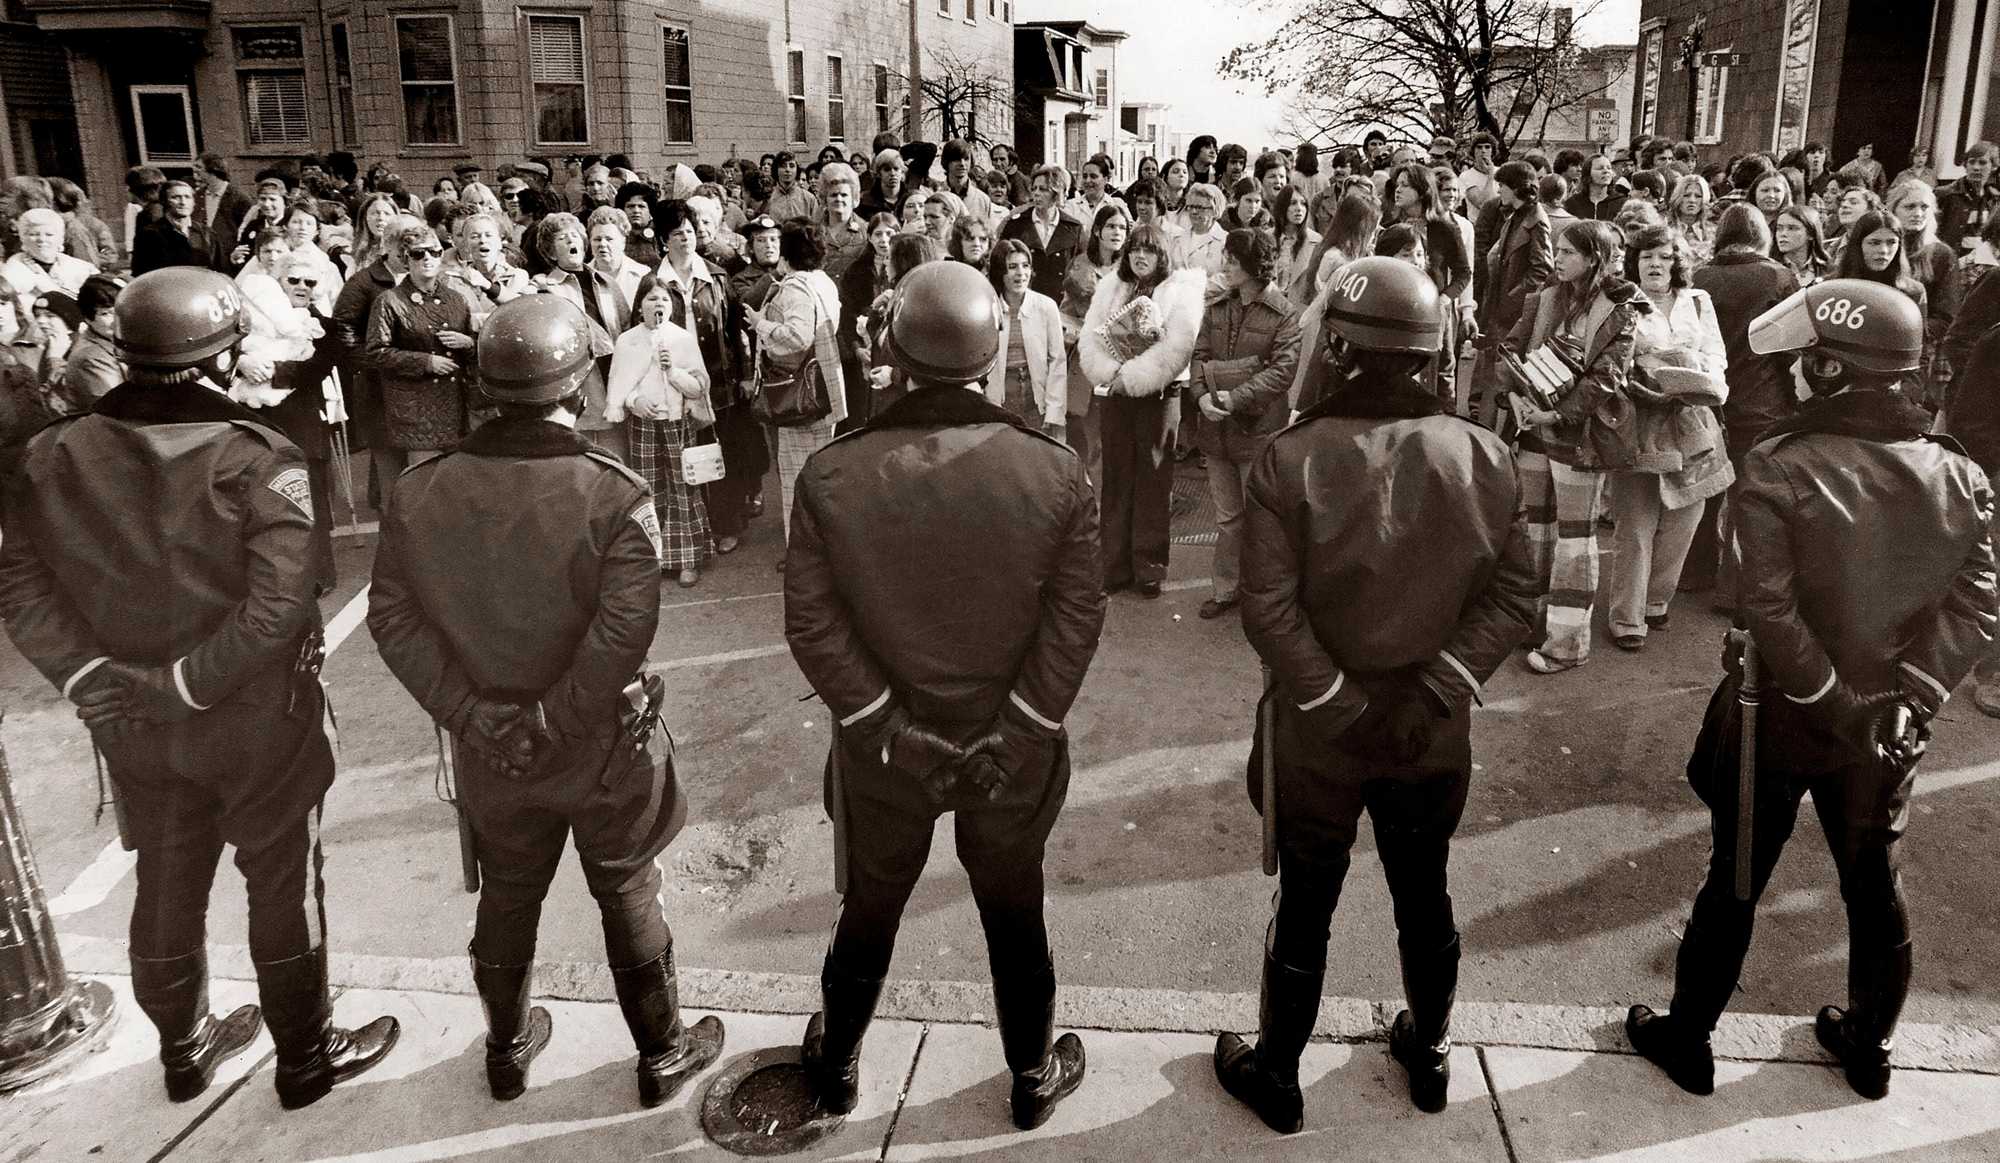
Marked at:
<point>1583,1029</point>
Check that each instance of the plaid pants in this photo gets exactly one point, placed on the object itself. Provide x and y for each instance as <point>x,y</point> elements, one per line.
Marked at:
<point>1560,505</point>
<point>791,447</point>
<point>655,447</point>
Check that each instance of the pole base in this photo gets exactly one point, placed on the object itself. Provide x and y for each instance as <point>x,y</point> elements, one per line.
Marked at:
<point>84,1027</point>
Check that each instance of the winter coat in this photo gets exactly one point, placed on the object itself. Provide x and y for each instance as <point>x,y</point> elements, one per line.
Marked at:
<point>1679,439</point>
<point>422,410</point>
<point>1151,372</point>
<point>1051,261</point>
<point>1596,399</point>
<point>635,372</point>
<point>1517,266</point>
<point>1002,615</point>
<point>1247,354</point>
<point>1743,286</point>
<point>1048,360</point>
<point>802,307</point>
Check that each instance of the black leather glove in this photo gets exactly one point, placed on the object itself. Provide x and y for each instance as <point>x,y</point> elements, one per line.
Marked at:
<point>499,732</point>
<point>1856,718</point>
<point>916,750</point>
<point>1400,724</point>
<point>101,702</point>
<point>1001,753</point>
<point>1901,732</point>
<point>150,696</point>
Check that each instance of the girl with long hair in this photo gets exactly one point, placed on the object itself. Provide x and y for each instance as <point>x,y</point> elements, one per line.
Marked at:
<point>372,242</point>
<point>1588,314</point>
<point>1414,199</point>
<point>1688,215</point>
<point>1102,248</point>
<point>1357,220</point>
<point>1934,264</point>
<point>1517,267</point>
<point>1201,155</point>
<point>1297,243</point>
<point>1140,380</point>
<point>1176,176</point>
<point>1798,241</point>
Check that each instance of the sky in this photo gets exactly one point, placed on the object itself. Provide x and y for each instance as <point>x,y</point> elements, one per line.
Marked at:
<point>1175,46</point>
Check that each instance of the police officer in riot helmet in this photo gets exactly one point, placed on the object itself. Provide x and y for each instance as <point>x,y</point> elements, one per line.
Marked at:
<point>1866,584</point>
<point>516,593</point>
<point>948,684</point>
<point>158,569</point>
<point>1376,501</point>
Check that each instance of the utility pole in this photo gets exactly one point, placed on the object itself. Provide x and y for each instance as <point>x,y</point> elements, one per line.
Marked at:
<point>913,121</point>
<point>1690,46</point>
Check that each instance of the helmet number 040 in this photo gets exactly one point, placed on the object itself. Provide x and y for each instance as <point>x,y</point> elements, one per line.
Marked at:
<point>1841,313</point>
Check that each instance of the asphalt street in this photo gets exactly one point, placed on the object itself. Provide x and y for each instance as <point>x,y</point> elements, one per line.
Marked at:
<point>1573,870</point>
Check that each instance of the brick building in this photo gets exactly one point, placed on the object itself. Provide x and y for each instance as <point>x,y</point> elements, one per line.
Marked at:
<point>423,84</point>
<point>1892,73</point>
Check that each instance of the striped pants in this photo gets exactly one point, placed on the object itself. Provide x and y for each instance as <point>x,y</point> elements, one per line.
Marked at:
<point>790,447</point>
<point>1560,504</point>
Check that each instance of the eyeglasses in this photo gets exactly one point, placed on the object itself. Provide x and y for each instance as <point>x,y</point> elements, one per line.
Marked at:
<point>424,251</point>
<point>297,281</point>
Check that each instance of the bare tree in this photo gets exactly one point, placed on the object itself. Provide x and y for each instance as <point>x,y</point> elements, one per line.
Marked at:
<point>1419,67</point>
<point>963,95</point>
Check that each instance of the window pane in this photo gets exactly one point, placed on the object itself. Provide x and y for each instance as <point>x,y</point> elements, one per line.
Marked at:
<point>835,85</point>
<point>559,114</point>
<point>881,84</point>
<point>343,56</point>
<point>797,61</point>
<point>287,43</point>
<point>423,48</point>
<point>274,101</point>
<point>430,115</point>
<point>798,120</point>
<point>348,134</point>
<point>680,120</point>
<point>678,68</point>
<point>555,50</point>
<point>163,126</point>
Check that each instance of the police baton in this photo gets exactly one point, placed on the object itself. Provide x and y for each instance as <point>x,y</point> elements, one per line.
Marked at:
<point>447,790</point>
<point>836,809</point>
<point>1267,726</point>
<point>1747,696</point>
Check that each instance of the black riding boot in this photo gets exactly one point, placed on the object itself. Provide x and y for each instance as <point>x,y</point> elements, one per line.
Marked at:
<point>1421,1036</point>
<point>1266,1079</point>
<point>173,992</point>
<point>1705,973</point>
<point>669,1052</point>
<point>314,1055</point>
<point>1046,1069</point>
<point>831,1051</point>
<point>515,1033</point>
<point>1863,1036</point>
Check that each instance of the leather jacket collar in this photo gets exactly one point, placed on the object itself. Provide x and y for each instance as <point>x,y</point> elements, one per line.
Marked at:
<point>187,403</point>
<point>1865,414</point>
<point>517,437</point>
<point>942,407</point>
<point>1361,399</point>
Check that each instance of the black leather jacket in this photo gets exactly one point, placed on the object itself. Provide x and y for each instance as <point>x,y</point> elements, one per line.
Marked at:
<point>1863,552</point>
<point>1381,536</point>
<point>944,558</point>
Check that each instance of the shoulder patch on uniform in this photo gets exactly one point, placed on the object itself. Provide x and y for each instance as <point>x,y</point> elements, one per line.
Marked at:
<point>648,520</point>
<point>609,461</point>
<point>295,486</point>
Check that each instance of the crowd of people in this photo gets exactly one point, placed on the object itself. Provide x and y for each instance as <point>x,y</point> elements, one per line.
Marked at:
<point>1419,382</point>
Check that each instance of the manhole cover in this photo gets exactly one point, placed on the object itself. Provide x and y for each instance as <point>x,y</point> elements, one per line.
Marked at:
<point>760,1106</point>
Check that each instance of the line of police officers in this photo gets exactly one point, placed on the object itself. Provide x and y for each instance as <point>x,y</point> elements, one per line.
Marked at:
<point>157,569</point>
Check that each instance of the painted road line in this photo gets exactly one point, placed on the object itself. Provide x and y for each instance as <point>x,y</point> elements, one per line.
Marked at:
<point>721,601</point>
<point>94,884</point>
<point>361,529</point>
<point>717,659</point>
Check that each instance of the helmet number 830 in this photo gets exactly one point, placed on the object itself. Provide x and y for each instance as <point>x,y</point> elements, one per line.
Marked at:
<point>1841,313</point>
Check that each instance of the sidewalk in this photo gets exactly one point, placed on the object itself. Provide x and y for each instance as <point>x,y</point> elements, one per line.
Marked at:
<point>937,1089</point>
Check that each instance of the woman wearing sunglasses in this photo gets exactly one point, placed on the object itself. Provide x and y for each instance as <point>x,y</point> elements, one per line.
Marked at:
<point>420,348</point>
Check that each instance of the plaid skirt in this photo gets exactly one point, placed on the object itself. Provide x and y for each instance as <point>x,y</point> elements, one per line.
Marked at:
<point>656,455</point>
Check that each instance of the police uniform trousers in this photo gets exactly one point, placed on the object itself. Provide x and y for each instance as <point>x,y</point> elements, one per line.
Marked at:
<point>620,804</point>
<point>247,772</point>
<point>1414,810</point>
<point>1863,807</point>
<point>1001,844</point>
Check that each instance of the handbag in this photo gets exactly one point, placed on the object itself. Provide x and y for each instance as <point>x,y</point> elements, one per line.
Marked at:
<point>701,464</point>
<point>801,399</point>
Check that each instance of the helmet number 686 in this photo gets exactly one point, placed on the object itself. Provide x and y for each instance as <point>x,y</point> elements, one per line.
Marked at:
<point>1841,312</point>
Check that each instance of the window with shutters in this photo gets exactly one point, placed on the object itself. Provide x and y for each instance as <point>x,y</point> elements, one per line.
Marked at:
<point>271,80</point>
<point>795,90</point>
<point>342,51</point>
<point>427,68</point>
<point>836,98</point>
<point>557,70</point>
<point>678,72</point>
<point>881,97</point>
